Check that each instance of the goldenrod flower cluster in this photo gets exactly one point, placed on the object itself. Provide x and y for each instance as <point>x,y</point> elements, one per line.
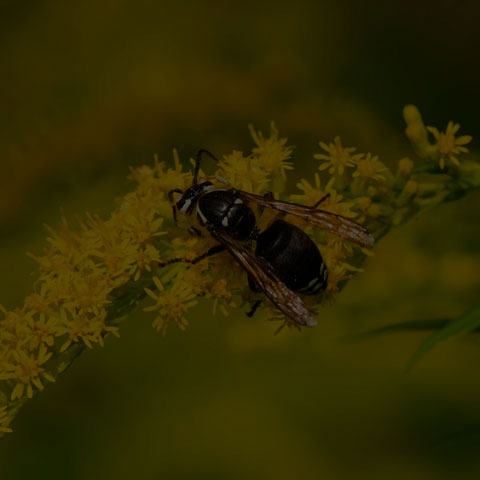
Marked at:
<point>446,147</point>
<point>91,277</point>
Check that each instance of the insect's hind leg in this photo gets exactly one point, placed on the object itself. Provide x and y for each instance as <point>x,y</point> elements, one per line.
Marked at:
<point>325,197</point>
<point>254,308</point>
<point>214,250</point>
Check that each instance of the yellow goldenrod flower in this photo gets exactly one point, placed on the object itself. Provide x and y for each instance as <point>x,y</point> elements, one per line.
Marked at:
<point>144,258</point>
<point>153,185</point>
<point>370,168</point>
<point>449,146</point>
<point>15,327</point>
<point>79,325</point>
<point>337,273</point>
<point>138,222</point>
<point>271,152</point>
<point>331,199</point>
<point>66,244</point>
<point>159,179</point>
<point>197,277</point>
<point>338,157</point>
<point>221,291</point>
<point>334,202</point>
<point>311,194</point>
<point>42,331</point>
<point>363,204</point>
<point>405,167</point>
<point>38,302</point>
<point>339,249</point>
<point>171,303</point>
<point>27,369</point>
<point>246,173</point>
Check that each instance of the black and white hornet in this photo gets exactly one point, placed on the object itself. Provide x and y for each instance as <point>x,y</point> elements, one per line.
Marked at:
<point>280,260</point>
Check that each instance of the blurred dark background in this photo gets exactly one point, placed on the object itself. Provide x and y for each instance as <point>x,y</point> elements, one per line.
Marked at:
<point>89,89</point>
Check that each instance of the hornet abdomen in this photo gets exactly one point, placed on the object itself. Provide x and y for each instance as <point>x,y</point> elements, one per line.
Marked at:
<point>294,257</point>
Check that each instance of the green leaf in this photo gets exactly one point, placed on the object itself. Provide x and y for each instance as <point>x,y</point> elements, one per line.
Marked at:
<point>412,326</point>
<point>467,322</point>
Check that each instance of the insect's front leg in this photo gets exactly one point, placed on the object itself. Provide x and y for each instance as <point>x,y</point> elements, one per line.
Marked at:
<point>194,232</point>
<point>214,250</point>
<point>170,197</point>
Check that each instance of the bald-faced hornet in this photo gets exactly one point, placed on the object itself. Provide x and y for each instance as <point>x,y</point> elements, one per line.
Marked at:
<point>285,260</point>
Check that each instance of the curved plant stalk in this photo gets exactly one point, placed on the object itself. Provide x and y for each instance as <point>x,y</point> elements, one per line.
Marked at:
<point>91,278</point>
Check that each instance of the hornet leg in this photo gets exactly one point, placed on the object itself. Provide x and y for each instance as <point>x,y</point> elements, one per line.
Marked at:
<point>254,308</point>
<point>170,197</point>
<point>215,249</point>
<point>321,200</point>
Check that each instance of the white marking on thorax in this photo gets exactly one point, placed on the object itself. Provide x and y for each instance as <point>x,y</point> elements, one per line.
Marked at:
<point>186,205</point>
<point>238,201</point>
<point>225,221</point>
<point>201,216</point>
